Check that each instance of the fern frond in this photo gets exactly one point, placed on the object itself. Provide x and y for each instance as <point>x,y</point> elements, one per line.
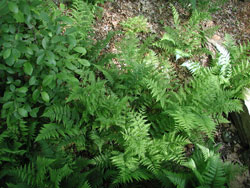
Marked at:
<point>86,185</point>
<point>102,160</point>
<point>224,60</point>
<point>205,152</point>
<point>49,131</point>
<point>193,67</point>
<point>214,175</point>
<point>176,16</point>
<point>152,162</point>
<point>136,135</point>
<point>26,174</point>
<point>83,17</point>
<point>243,68</point>
<point>171,148</point>
<point>158,91</point>
<point>238,53</point>
<point>62,114</point>
<point>178,179</point>
<point>184,120</point>
<point>128,169</point>
<point>57,175</point>
<point>206,125</point>
<point>4,135</point>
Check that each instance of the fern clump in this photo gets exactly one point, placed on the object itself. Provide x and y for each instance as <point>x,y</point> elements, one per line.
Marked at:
<point>135,25</point>
<point>185,40</point>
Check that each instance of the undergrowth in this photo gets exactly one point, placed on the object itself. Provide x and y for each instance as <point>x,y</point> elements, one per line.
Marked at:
<point>74,117</point>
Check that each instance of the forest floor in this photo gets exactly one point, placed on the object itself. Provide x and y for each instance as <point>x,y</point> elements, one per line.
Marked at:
<point>232,17</point>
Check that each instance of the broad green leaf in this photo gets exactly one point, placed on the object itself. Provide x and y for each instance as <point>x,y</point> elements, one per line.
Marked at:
<point>7,104</point>
<point>70,66</point>
<point>13,7</point>
<point>72,41</point>
<point>6,53</point>
<point>73,79</point>
<point>45,96</point>
<point>34,112</point>
<point>2,67</point>
<point>62,75</point>
<point>28,69</point>
<point>17,82</point>
<point>12,29</point>
<point>32,80</point>
<point>84,62</point>
<point>44,43</point>
<point>39,59</point>
<point>35,95</point>
<point>29,51</point>
<point>80,50</point>
<point>12,87</point>
<point>19,17</point>
<point>26,9</point>
<point>22,89</point>
<point>16,53</point>
<point>22,112</point>
<point>56,39</point>
<point>51,58</point>
<point>47,80</point>
<point>10,70</point>
<point>3,4</point>
<point>10,61</point>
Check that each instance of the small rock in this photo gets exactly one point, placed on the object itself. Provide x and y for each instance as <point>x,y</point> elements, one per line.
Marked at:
<point>209,23</point>
<point>217,38</point>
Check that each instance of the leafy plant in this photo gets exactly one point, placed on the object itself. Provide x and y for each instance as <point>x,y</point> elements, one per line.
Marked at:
<point>74,117</point>
<point>208,170</point>
<point>185,40</point>
<point>135,25</point>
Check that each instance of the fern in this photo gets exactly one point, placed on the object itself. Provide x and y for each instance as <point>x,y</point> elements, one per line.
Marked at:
<point>49,131</point>
<point>177,179</point>
<point>214,175</point>
<point>57,175</point>
<point>208,168</point>
<point>62,114</point>
<point>128,169</point>
<point>136,136</point>
<point>187,40</point>
<point>238,53</point>
<point>83,18</point>
<point>135,25</point>
<point>176,17</point>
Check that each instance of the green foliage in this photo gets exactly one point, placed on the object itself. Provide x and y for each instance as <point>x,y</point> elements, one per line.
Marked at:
<point>135,25</point>
<point>72,116</point>
<point>185,40</point>
<point>208,170</point>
